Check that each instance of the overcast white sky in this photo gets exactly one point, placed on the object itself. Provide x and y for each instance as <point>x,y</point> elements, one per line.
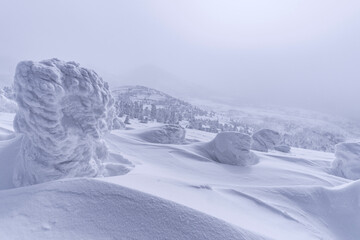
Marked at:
<point>302,53</point>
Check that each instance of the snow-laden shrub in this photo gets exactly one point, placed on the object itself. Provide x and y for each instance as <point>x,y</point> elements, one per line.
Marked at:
<point>64,111</point>
<point>347,161</point>
<point>265,139</point>
<point>232,148</point>
<point>166,134</point>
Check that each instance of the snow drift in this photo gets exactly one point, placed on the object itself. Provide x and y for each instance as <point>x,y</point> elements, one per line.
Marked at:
<point>327,212</point>
<point>347,162</point>
<point>294,191</point>
<point>91,209</point>
<point>231,148</point>
<point>265,139</point>
<point>166,134</point>
<point>64,110</point>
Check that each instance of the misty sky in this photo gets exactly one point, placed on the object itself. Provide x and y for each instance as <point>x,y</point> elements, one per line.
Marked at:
<point>301,53</point>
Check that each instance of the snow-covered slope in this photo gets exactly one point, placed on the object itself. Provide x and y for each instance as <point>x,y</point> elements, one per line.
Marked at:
<point>145,94</point>
<point>285,195</point>
<point>172,191</point>
<point>148,96</point>
<point>92,209</point>
<point>146,103</point>
<point>297,127</point>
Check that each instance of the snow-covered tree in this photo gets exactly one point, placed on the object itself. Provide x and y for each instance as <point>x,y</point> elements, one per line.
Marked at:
<point>64,110</point>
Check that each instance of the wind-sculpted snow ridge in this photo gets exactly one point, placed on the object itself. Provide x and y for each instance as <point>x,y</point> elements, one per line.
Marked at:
<point>265,139</point>
<point>347,162</point>
<point>91,209</point>
<point>232,148</point>
<point>64,110</point>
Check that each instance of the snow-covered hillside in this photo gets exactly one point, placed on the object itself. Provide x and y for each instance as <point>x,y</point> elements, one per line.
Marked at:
<point>169,191</point>
<point>149,104</point>
<point>161,177</point>
<point>179,120</point>
<point>298,127</point>
<point>145,95</point>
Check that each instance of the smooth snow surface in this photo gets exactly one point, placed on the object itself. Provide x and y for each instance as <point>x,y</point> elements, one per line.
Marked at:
<point>347,162</point>
<point>91,209</point>
<point>64,111</point>
<point>175,191</point>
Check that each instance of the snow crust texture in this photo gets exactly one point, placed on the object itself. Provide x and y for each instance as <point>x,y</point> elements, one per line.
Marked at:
<point>265,139</point>
<point>63,112</point>
<point>232,148</point>
<point>166,134</point>
<point>347,162</point>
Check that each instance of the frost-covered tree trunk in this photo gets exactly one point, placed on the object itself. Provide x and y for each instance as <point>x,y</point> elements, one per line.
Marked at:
<point>64,110</point>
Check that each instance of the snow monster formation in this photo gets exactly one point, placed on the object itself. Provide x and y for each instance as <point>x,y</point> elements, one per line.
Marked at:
<point>64,111</point>
<point>232,148</point>
<point>167,134</point>
<point>347,161</point>
<point>283,148</point>
<point>265,139</point>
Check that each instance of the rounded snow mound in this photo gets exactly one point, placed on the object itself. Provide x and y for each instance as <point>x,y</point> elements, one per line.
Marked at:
<point>64,110</point>
<point>92,209</point>
<point>265,139</point>
<point>232,148</point>
<point>166,134</point>
<point>347,161</point>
